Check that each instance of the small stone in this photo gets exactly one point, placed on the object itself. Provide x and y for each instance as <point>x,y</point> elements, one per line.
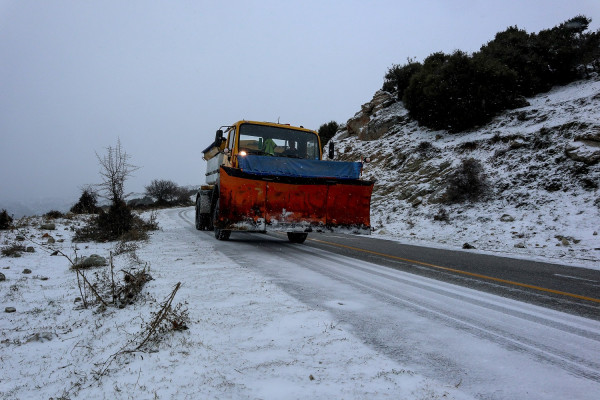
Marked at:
<point>55,253</point>
<point>595,233</point>
<point>26,271</point>
<point>30,249</point>
<point>20,238</point>
<point>2,277</point>
<point>51,240</point>
<point>77,299</point>
<point>40,337</point>
<point>10,309</point>
<point>48,227</point>
<point>43,278</point>
<point>92,261</point>
<point>507,218</point>
<point>564,242</point>
<point>467,246</point>
<point>520,245</point>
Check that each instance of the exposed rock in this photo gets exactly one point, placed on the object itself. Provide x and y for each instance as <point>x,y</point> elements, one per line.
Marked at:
<point>51,240</point>
<point>377,128</point>
<point>586,151</point>
<point>10,309</point>
<point>92,261</point>
<point>2,277</point>
<point>20,238</point>
<point>520,245</point>
<point>30,249</point>
<point>41,337</point>
<point>26,271</point>
<point>467,246</point>
<point>48,227</point>
<point>360,125</point>
<point>507,218</point>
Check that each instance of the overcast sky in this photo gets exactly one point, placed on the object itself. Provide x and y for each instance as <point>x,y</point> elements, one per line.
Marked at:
<point>164,75</point>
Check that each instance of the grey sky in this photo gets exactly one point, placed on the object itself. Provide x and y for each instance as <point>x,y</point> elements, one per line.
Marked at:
<point>164,75</point>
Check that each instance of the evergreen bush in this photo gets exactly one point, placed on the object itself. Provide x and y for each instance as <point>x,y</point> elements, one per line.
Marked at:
<point>5,220</point>
<point>457,91</point>
<point>467,182</point>
<point>327,131</point>
<point>87,203</point>
<point>398,77</point>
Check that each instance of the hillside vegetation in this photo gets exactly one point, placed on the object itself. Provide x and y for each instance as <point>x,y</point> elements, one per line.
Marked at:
<point>526,182</point>
<point>459,91</point>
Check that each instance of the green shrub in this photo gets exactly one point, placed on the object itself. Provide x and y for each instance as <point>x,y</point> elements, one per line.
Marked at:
<point>550,57</point>
<point>116,221</point>
<point>54,214</point>
<point>467,182</point>
<point>457,92</point>
<point>327,131</point>
<point>87,203</point>
<point>5,220</point>
<point>398,77</point>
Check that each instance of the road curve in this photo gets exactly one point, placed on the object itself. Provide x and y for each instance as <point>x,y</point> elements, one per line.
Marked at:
<point>491,346</point>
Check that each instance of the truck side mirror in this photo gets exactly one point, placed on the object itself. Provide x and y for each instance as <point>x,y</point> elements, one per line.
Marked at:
<point>219,137</point>
<point>331,150</point>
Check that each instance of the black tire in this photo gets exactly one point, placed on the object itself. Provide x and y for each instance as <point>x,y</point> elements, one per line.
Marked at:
<point>198,217</point>
<point>297,237</point>
<point>220,234</point>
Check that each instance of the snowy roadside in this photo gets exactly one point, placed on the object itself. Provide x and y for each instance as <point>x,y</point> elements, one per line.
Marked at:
<point>247,338</point>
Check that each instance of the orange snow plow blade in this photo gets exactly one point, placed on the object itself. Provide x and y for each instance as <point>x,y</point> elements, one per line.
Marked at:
<point>273,203</point>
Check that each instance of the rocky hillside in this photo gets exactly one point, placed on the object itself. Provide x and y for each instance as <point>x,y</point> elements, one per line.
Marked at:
<point>540,173</point>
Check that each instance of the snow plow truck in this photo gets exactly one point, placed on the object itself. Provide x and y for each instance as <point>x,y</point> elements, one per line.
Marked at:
<point>268,177</point>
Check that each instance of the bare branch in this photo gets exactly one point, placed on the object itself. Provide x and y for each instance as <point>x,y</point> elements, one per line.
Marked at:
<point>115,168</point>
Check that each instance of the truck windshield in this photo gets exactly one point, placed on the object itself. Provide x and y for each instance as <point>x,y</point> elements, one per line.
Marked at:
<point>277,141</point>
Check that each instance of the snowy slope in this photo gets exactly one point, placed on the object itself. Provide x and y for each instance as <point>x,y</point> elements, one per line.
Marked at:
<point>543,199</point>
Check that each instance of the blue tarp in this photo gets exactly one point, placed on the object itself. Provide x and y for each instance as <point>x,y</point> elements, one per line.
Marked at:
<point>301,168</point>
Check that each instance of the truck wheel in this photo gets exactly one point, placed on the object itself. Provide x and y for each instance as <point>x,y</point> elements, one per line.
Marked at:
<point>220,234</point>
<point>297,237</point>
<point>198,217</point>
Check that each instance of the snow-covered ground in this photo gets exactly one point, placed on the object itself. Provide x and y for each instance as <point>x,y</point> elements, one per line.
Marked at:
<point>272,320</point>
<point>247,338</point>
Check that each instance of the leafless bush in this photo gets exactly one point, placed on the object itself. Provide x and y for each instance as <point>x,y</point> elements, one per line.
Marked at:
<point>14,250</point>
<point>442,215</point>
<point>166,319</point>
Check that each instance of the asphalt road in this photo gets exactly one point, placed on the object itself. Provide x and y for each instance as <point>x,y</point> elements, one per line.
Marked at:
<point>565,288</point>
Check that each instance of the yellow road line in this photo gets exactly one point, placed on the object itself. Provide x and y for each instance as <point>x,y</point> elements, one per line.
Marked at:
<point>458,271</point>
